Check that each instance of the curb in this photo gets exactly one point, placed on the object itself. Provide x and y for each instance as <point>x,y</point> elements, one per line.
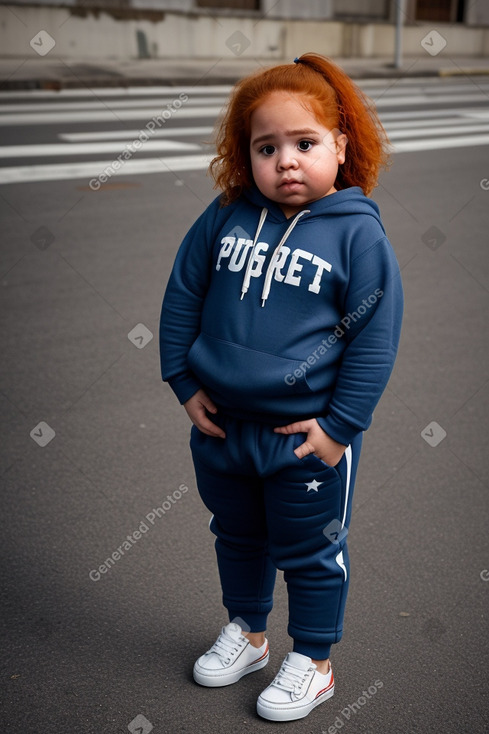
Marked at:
<point>123,81</point>
<point>464,72</point>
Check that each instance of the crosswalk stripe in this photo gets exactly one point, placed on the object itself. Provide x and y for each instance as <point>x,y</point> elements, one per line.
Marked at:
<point>55,149</point>
<point>91,170</point>
<point>146,113</point>
<point>168,132</point>
<point>433,122</point>
<point>424,99</point>
<point>441,113</point>
<point>408,133</point>
<point>409,146</point>
<point>113,104</point>
<point>102,92</point>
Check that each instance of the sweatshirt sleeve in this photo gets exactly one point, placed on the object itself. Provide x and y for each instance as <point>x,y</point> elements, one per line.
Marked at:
<point>371,326</point>
<point>182,304</point>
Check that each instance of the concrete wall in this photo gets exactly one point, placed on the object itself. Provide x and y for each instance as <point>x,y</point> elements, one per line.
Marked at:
<point>320,9</point>
<point>477,14</point>
<point>371,9</point>
<point>102,34</point>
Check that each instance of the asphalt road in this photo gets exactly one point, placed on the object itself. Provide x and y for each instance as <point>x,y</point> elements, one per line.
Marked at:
<point>95,458</point>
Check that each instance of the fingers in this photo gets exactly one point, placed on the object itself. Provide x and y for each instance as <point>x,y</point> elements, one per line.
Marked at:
<point>204,424</point>
<point>207,403</point>
<point>196,408</point>
<point>304,449</point>
<point>208,427</point>
<point>298,427</point>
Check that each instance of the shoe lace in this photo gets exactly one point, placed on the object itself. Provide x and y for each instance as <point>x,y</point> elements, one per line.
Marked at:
<point>226,647</point>
<point>290,678</point>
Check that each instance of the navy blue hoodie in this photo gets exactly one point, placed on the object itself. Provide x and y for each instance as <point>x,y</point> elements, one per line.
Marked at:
<point>285,319</point>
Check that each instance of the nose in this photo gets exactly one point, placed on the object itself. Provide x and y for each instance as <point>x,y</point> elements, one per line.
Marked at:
<point>287,159</point>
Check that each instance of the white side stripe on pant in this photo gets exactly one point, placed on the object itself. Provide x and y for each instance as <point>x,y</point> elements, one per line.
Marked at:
<point>341,563</point>
<point>348,476</point>
<point>339,558</point>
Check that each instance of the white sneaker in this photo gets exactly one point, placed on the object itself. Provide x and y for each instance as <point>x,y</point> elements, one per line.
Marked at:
<point>230,658</point>
<point>296,690</point>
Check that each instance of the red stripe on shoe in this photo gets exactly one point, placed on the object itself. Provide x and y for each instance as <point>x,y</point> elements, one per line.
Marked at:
<point>327,688</point>
<point>260,658</point>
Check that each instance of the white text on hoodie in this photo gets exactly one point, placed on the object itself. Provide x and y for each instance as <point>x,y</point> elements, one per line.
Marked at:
<point>235,252</point>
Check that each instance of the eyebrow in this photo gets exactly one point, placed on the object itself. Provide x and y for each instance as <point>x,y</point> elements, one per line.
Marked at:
<point>288,133</point>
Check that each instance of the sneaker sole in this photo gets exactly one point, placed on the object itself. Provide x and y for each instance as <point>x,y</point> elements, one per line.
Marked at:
<point>288,714</point>
<point>227,679</point>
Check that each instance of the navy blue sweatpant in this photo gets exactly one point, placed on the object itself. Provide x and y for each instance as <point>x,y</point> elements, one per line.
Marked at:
<point>272,510</point>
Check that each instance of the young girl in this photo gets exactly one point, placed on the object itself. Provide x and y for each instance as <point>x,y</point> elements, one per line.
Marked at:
<point>278,334</point>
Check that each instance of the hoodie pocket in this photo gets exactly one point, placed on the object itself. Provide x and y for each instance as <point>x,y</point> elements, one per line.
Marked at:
<point>235,371</point>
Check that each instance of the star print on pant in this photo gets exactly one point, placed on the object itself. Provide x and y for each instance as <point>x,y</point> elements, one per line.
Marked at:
<point>313,486</point>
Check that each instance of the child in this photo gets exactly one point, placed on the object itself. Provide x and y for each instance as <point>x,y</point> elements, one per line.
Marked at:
<point>279,331</point>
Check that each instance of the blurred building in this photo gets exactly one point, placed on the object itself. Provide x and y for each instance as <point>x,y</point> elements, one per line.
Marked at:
<point>439,11</point>
<point>267,29</point>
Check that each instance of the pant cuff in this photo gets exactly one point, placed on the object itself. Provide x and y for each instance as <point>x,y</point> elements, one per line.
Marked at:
<point>314,650</point>
<point>249,621</point>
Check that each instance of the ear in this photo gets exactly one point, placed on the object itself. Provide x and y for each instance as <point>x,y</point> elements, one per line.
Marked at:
<point>341,142</point>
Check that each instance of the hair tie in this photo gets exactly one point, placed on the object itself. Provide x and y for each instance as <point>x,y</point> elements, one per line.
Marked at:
<point>297,60</point>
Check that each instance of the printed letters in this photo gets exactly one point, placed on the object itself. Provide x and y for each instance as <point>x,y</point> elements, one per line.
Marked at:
<point>287,267</point>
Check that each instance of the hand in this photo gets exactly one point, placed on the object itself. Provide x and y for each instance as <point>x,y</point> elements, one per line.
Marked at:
<point>317,441</point>
<point>196,407</point>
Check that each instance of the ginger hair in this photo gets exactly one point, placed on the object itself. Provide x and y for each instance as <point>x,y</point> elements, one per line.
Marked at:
<point>332,97</point>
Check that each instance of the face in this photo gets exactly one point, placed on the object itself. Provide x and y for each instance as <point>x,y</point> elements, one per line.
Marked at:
<point>294,158</point>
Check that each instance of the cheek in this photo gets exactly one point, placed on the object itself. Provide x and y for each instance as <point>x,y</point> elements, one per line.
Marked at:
<point>258,168</point>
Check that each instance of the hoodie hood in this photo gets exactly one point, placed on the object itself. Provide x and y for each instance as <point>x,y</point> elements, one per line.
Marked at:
<point>345,201</point>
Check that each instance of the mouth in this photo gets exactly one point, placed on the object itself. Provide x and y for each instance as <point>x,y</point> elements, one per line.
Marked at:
<point>290,184</point>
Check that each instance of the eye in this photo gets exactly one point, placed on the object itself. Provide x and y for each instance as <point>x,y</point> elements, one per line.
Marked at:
<point>305,145</point>
<point>268,150</point>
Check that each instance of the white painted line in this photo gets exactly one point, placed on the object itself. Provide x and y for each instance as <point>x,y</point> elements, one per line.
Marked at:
<point>408,133</point>
<point>416,82</point>
<point>468,141</point>
<point>428,99</point>
<point>146,113</point>
<point>479,114</point>
<point>69,171</point>
<point>55,149</point>
<point>115,104</point>
<point>100,92</point>
<point>395,89</point>
<point>426,114</point>
<point>394,125</point>
<point>163,132</point>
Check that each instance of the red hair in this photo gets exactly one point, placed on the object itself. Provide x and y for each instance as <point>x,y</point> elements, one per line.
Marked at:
<point>333,98</point>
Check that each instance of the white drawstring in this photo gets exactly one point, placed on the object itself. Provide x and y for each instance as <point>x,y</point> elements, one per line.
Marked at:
<point>247,277</point>
<point>276,253</point>
<point>269,273</point>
